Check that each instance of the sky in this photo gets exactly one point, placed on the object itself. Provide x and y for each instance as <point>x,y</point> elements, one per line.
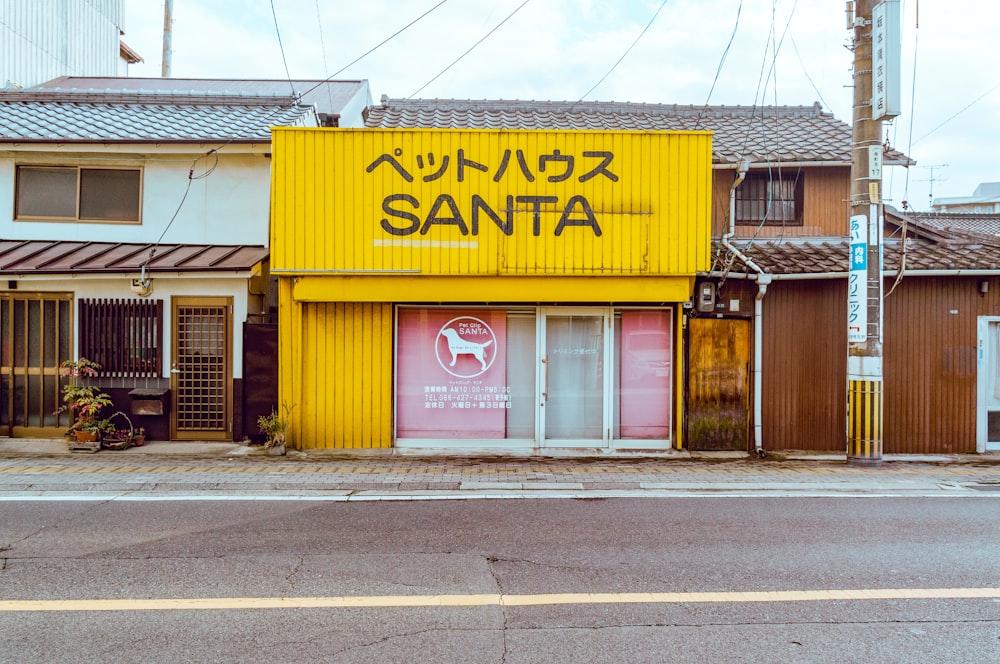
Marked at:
<point>719,52</point>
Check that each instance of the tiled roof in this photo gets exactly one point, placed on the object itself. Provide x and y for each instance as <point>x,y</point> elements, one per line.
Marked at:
<point>959,222</point>
<point>823,256</point>
<point>329,97</point>
<point>113,117</point>
<point>762,134</point>
<point>60,257</point>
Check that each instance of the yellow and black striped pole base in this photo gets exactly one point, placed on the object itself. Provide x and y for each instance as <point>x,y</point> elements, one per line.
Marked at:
<point>864,425</point>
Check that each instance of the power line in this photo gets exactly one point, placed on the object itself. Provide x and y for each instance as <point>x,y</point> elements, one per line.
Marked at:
<point>322,45</point>
<point>379,45</point>
<point>281,46</point>
<point>718,70</point>
<point>495,28</point>
<point>967,107</point>
<point>627,51</point>
<point>819,94</point>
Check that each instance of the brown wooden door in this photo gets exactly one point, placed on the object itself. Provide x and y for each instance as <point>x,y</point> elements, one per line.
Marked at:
<point>718,388</point>
<point>35,337</point>
<point>200,373</point>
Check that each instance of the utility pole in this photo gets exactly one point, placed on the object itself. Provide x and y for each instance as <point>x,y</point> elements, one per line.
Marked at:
<point>168,30</point>
<point>874,99</point>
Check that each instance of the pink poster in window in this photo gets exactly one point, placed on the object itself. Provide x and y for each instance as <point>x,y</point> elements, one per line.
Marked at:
<point>451,377</point>
<point>646,374</point>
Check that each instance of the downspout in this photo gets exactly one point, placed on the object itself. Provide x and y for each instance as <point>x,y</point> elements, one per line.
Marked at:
<point>763,280</point>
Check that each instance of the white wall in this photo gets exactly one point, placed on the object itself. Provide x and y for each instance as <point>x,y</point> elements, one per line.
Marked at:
<point>229,206</point>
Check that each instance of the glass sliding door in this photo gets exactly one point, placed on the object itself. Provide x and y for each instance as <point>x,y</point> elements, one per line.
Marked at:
<point>574,377</point>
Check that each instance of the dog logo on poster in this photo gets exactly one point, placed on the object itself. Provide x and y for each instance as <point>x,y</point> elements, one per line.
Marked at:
<point>466,347</point>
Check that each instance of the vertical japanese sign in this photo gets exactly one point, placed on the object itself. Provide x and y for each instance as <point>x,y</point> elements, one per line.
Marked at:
<point>885,60</point>
<point>857,281</point>
<point>451,374</point>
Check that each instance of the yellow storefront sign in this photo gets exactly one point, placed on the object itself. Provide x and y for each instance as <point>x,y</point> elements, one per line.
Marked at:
<point>487,203</point>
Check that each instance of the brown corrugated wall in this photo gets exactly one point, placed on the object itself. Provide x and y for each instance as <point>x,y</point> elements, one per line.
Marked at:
<point>929,371</point>
<point>930,363</point>
<point>805,365</point>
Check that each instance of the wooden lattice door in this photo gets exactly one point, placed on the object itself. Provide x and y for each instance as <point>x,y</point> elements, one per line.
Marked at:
<point>35,337</point>
<point>200,372</point>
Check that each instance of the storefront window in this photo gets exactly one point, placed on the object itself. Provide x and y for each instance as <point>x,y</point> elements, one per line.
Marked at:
<point>466,374</point>
<point>485,374</point>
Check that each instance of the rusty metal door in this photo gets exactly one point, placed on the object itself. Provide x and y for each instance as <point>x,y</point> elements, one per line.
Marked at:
<point>718,389</point>
<point>200,374</point>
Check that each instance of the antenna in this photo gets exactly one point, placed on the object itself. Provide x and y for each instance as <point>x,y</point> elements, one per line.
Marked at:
<point>932,180</point>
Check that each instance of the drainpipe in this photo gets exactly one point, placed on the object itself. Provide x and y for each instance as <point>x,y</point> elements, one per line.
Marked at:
<point>758,309</point>
<point>758,354</point>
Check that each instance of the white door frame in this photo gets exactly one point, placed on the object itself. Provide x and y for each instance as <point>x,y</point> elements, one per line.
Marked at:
<point>984,358</point>
<point>607,315</point>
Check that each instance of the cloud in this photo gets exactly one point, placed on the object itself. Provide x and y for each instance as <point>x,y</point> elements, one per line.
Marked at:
<point>790,52</point>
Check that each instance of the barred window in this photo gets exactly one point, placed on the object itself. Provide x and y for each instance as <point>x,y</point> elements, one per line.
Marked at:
<point>124,336</point>
<point>771,199</point>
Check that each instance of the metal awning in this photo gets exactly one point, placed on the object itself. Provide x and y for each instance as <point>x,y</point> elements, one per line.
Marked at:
<point>21,257</point>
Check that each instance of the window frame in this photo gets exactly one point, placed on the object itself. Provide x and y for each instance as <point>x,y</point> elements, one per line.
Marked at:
<point>78,194</point>
<point>757,192</point>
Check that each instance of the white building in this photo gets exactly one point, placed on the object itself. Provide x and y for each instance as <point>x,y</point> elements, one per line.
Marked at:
<point>134,221</point>
<point>984,200</point>
<point>43,39</point>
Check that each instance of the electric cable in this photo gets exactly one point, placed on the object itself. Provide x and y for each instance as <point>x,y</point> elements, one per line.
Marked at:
<point>281,46</point>
<point>904,226</point>
<point>627,51</point>
<point>495,28</point>
<point>322,45</point>
<point>963,110</point>
<point>376,47</point>
<point>722,61</point>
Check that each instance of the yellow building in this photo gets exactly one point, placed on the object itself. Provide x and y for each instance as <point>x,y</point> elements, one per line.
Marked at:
<point>486,289</point>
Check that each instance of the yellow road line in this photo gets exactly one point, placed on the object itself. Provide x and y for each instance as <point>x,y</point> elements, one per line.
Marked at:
<point>400,601</point>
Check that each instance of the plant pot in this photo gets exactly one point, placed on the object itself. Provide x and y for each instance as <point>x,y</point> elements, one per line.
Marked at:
<point>85,436</point>
<point>77,441</point>
<point>276,450</point>
<point>139,440</point>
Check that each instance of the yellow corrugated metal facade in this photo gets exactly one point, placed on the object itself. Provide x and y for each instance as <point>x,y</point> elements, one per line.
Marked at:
<point>342,387</point>
<point>365,219</point>
<point>479,202</point>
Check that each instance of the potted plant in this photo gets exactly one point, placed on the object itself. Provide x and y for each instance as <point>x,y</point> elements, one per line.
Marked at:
<point>84,401</point>
<point>275,428</point>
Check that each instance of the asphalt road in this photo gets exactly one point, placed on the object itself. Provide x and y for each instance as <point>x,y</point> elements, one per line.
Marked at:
<point>605,580</point>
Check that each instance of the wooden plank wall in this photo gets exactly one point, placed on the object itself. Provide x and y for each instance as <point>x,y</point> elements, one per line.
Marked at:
<point>825,195</point>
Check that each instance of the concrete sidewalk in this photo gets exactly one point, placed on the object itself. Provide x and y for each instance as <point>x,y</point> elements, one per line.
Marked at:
<point>36,469</point>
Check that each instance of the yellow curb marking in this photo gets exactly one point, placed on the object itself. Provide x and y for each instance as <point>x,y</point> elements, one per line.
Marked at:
<point>388,601</point>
